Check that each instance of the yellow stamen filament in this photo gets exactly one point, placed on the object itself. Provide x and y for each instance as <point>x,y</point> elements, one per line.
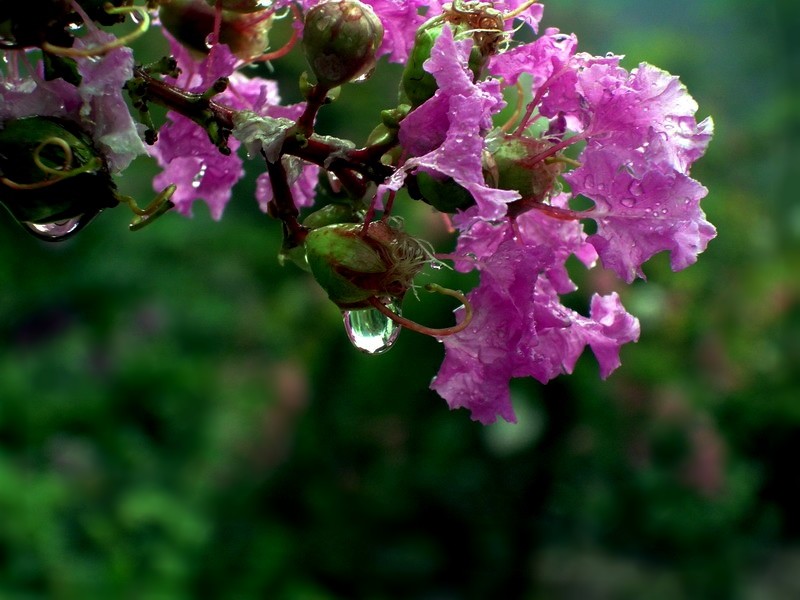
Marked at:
<point>519,10</point>
<point>508,125</point>
<point>103,49</point>
<point>283,50</point>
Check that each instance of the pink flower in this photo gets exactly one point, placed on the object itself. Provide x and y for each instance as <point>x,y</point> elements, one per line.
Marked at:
<point>188,157</point>
<point>521,329</point>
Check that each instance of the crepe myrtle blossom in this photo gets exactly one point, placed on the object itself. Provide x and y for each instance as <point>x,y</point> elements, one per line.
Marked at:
<point>581,128</point>
<point>188,157</point>
<point>640,140</point>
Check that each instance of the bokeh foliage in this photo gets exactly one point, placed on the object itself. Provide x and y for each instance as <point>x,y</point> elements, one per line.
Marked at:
<point>182,417</point>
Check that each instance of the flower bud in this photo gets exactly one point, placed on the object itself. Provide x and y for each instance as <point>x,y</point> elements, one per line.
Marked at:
<point>353,265</point>
<point>482,23</point>
<point>340,39</point>
<point>73,187</point>
<point>192,21</point>
<point>242,6</point>
<point>445,195</point>
<point>516,166</point>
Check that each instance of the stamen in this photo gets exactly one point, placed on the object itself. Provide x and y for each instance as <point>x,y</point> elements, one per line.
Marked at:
<point>434,332</point>
<point>508,125</point>
<point>286,48</point>
<point>103,49</point>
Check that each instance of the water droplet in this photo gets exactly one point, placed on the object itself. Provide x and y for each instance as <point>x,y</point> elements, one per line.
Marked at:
<point>363,76</point>
<point>436,266</point>
<point>610,55</point>
<point>198,177</point>
<point>628,202</point>
<point>57,230</point>
<point>370,330</point>
<point>635,188</point>
<point>210,41</point>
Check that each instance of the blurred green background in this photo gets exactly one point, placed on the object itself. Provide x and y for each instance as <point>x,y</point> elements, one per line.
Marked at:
<point>181,417</point>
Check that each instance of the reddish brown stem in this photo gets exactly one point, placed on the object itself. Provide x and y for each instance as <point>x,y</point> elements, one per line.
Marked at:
<point>434,332</point>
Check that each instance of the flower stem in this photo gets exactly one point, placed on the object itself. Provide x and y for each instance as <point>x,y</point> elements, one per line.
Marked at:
<point>434,332</point>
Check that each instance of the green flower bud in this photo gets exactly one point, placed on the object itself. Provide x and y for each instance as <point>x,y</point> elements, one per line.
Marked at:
<point>52,179</point>
<point>242,6</point>
<point>192,21</point>
<point>417,84</point>
<point>444,195</point>
<point>352,265</point>
<point>331,214</point>
<point>340,39</point>
<point>482,23</point>
<point>516,167</point>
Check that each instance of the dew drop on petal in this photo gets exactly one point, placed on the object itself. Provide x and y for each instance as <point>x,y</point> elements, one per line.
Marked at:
<point>635,188</point>
<point>364,76</point>
<point>57,230</point>
<point>198,177</point>
<point>370,330</point>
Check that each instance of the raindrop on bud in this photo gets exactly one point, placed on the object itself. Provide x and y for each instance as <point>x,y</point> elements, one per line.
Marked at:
<point>57,230</point>
<point>370,330</point>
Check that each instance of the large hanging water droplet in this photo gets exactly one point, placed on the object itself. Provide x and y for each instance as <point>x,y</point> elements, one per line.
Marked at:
<point>57,230</point>
<point>370,330</point>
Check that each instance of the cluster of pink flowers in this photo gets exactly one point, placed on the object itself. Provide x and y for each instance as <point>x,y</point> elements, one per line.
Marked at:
<point>632,135</point>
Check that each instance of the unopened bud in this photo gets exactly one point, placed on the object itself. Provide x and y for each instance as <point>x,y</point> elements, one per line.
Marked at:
<point>340,39</point>
<point>517,166</point>
<point>444,195</point>
<point>242,6</point>
<point>477,20</point>
<point>353,264</point>
<point>51,174</point>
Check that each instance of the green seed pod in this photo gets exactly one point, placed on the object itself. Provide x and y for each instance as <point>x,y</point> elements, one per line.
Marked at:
<point>517,167</point>
<point>331,214</point>
<point>192,21</point>
<point>340,39</point>
<point>242,6</point>
<point>65,190</point>
<point>353,265</point>
<point>417,84</point>
<point>444,195</point>
<point>480,21</point>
